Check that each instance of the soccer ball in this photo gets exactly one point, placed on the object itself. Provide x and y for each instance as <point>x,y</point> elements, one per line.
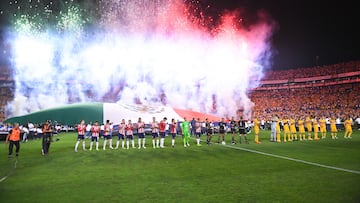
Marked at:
<point>223,143</point>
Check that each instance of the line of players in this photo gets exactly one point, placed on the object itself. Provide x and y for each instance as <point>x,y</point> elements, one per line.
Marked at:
<point>158,131</point>
<point>313,127</point>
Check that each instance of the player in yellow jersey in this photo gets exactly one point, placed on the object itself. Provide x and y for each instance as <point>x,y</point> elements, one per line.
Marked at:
<point>278,130</point>
<point>322,122</point>
<point>348,128</point>
<point>301,129</point>
<point>333,128</point>
<point>308,124</point>
<point>293,129</point>
<point>256,130</point>
<point>286,130</point>
<point>316,128</point>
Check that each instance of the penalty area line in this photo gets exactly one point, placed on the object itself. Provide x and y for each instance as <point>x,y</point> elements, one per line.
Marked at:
<point>292,159</point>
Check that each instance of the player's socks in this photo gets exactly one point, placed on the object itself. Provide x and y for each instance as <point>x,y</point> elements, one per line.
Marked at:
<point>153,141</point>
<point>76,145</point>
<point>240,139</point>
<point>157,143</point>
<point>110,144</point>
<point>91,144</point>
<point>83,144</point>
<point>139,143</point>
<point>123,144</point>
<point>97,145</point>
<point>162,142</point>
<point>173,142</point>
<point>117,144</point>
<point>104,147</point>
<point>127,144</point>
<point>143,143</point>
<point>133,143</point>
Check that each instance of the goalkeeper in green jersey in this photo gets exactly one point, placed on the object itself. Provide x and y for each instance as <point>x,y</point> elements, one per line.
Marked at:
<point>185,127</point>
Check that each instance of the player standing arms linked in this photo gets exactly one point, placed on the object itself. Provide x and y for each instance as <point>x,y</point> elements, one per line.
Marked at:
<point>256,130</point>
<point>129,134</point>
<point>141,133</point>
<point>95,132</point>
<point>121,135</point>
<point>209,131</point>
<point>173,132</point>
<point>107,135</point>
<point>348,128</point>
<point>185,127</point>
<point>162,128</point>
<point>233,130</point>
<point>155,133</point>
<point>242,130</point>
<point>198,131</point>
<point>222,129</point>
<point>81,128</point>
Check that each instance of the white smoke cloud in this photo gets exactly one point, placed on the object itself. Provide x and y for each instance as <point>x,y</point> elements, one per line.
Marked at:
<point>129,62</point>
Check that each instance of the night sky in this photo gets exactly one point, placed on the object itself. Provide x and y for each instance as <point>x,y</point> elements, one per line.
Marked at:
<point>308,33</point>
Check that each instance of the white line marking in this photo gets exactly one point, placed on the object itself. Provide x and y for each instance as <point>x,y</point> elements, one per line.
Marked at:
<point>292,159</point>
<point>2,179</point>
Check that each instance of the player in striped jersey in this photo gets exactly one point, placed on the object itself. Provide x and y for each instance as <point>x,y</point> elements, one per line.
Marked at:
<point>95,132</point>
<point>81,135</point>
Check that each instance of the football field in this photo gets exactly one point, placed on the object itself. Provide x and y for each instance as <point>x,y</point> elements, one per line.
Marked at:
<point>303,171</point>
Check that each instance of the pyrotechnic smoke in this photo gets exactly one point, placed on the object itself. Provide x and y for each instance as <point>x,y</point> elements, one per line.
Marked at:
<point>149,52</point>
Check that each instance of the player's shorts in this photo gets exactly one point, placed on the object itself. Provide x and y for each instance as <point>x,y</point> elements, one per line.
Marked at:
<point>130,137</point>
<point>173,135</point>
<point>94,138</point>
<point>209,132</point>
<point>198,134</point>
<point>309,129</point>
<point>141,135</point>
<point>233,130</point>
<point>162,134</point>
<point>107,137</point>
<point>222,131</point>
<point>256,131</point>
<point>121,136</point>
<point>81,137</point>
<point>323,129</point>
<point>242,131</point>
<point>155,135</point>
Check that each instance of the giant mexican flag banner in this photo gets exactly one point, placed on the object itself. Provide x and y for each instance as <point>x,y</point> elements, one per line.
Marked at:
<point>73,113</point>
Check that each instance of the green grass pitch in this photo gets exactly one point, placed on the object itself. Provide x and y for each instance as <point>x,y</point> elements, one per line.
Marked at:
<point>195,174</point>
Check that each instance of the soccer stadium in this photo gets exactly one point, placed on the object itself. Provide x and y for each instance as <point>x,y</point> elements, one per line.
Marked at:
<point>171,101</point>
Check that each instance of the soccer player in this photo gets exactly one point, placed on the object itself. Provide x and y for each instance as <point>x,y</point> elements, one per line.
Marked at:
<point>273,128</point>
<point>293,129</point>
<point>209,131</point>
<point>348,128</point>
<point>286,130</point>
<point>107,135</point>
<point>242,130</point>
<point>256,130</point>
<point>278,129</point>
<point>316,128</point>
<point>155,133</point>
<point>185,128</point>
<point>222,131</point>
<point>14,138</point>
<point>233,129</point>
<point>301,129</point>
<point>162,129</point>
<point>95,132</point>
<point>333,128</point>
<point>129,134</point>
<point>308,124</point>
<point>81,135</point>
<point>173,132</point>
<point>322,122</point>
<point>198,131</point>
<point>121,135</point>
<point>141,133</point>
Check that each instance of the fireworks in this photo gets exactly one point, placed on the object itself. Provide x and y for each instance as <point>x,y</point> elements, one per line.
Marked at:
<point>126,51</point>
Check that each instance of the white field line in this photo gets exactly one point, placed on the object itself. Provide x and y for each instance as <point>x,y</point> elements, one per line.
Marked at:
<point>292,159</point>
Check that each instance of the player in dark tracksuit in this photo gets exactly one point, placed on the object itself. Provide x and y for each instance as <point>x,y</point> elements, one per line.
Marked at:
<point>233,130</point>
<point>242,130</point>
